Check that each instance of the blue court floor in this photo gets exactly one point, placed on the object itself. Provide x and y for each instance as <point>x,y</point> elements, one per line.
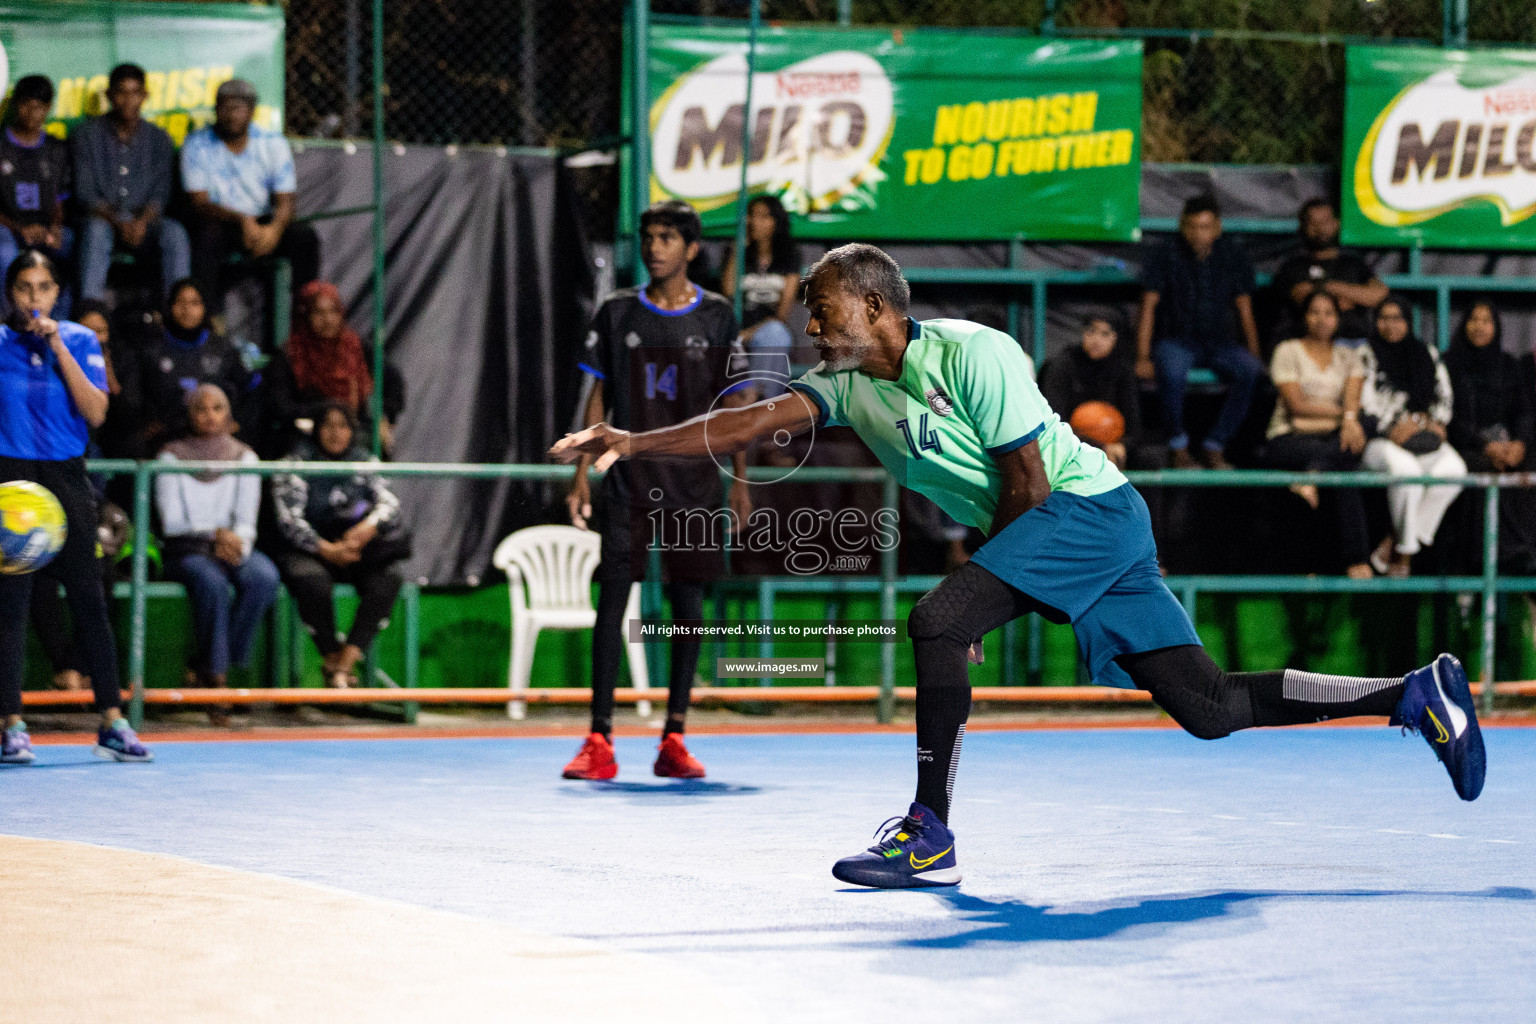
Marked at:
<point>1111,875</point>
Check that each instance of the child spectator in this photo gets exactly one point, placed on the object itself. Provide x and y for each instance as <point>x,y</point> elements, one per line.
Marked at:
<point>35,181</point>
<point>339,529</point>
<point>188,352</point>
<point>1493,427</point>
<point>1316,425</point>
<point>124,169</point>
<point>1198,292</point>
<point>768,285</point>
<point>1407,401</point>
<point>208,520</point>
<point>1094,371</point>
<point>241,181</point>
<point>52,392</point>
<point>325,361</point>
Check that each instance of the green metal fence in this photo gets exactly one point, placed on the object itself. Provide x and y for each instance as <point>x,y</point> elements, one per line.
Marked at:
<point>889,584</point>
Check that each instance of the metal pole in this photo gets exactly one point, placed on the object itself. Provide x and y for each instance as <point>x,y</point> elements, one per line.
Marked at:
<point>528,79</point>
<point>885,709</point>
<point>1048,23</point>
<point>845,12</point>
<point>349,125</point>
<point>1454,15</point>
<point>138,624</point>
<point>640,115</point>
<point>746,158</point>
<point>1490,588</point>
<point>377,401</point>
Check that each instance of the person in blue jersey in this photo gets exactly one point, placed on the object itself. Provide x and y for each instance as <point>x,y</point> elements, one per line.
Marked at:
<point>947,406</point>
<point>53,390</point>
<point>656,355</point>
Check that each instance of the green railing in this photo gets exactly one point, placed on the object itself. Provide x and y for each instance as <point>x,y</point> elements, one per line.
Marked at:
<point>1016,277</point>
<point>888,585</point>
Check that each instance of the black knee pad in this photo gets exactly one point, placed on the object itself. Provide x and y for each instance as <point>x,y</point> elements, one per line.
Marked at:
<point>1207,713</point>
<point>942,611</point>
<point>1193,689</point>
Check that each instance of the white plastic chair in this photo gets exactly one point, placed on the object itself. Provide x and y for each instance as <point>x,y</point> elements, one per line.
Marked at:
<point>554,564</point>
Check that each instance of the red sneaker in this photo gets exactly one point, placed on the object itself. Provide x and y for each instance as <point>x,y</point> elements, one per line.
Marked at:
<point>593,761</point>
<point>673,760</point>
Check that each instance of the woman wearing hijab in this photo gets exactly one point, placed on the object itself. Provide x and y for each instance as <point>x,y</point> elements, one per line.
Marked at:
<point>1407,403</point>
<point>324,362</point>
<point>188,352</point>
<point>208,520</point>
<point>1096,371</point>
<point>342,528</point>
<point>1493,427</point>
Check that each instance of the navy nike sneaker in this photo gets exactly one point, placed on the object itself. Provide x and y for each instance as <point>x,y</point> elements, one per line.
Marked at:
<point>913,852</point>
<point>1437,704</point>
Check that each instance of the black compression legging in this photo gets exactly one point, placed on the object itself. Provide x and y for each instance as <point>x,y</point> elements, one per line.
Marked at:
<point>1196,692</point>
<point>76,567</point>
<point>687,601</point>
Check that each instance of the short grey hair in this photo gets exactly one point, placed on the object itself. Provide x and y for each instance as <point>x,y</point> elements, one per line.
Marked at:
<point>863,269</point>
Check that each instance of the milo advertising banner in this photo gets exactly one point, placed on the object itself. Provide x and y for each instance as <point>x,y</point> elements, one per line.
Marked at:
<point>888,134</point>
<point>186,50</point>
<point>1440,148</point>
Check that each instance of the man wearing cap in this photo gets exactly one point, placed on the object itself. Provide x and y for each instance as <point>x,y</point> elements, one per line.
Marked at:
<point>124,169</point>
<point>241,181</point>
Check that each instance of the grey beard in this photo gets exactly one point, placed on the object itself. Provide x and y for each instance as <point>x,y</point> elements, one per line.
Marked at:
<point>848,361</point>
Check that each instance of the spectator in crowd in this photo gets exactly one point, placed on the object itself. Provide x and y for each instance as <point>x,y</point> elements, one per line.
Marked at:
<point>1198,293</point>
<point>1095,371</point>
<point>52,392</point>
<point>1407,403</point>
<point>125,167</point>
<point>1493,428</point>
<point>768,285</point>
<point>1322,264</point>
<point>241,182</point>
<point>1316,425</point>
<point>208,520</point>
<point>35,180</point>
<point>188,352</point>
<point>339,529</point>
<point>325,361</point>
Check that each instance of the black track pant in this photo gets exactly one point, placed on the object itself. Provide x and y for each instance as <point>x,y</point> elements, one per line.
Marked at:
<point>77,568</point>
<point>608,648</point>
<point>1208,702</point>
<point>310,579</point>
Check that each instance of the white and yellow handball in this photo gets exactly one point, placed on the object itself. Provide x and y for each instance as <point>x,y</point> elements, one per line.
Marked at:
<point>32,527</point>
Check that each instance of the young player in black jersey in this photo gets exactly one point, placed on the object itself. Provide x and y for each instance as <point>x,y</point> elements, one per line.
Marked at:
<point>35,180</point>
<point>656,356</point>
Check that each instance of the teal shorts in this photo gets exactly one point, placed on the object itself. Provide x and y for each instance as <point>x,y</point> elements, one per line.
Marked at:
<point>1094,561</point>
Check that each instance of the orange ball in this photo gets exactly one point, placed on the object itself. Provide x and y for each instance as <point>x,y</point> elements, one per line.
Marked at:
<point>1098,422</point>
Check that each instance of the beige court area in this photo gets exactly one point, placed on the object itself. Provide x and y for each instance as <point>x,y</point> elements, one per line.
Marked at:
<point>97,933</point>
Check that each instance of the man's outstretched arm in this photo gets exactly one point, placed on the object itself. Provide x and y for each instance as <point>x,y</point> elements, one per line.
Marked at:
<point>722,432</point>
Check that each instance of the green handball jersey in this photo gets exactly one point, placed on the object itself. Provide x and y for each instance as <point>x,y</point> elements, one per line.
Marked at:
<point>965,396</point>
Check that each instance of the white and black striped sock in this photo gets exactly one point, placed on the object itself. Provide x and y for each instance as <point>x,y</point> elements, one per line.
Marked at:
<point>1314,696</point>
<point>941,715</point>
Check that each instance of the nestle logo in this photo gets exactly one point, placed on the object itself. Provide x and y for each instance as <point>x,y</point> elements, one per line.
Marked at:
<point>1505,102</point>
<point>806,84</point>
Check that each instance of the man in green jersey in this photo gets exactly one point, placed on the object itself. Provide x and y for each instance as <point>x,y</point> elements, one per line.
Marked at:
<point>947,406</point>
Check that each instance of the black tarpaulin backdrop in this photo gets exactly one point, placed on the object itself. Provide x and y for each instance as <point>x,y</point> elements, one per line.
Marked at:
<point>488,292</point>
